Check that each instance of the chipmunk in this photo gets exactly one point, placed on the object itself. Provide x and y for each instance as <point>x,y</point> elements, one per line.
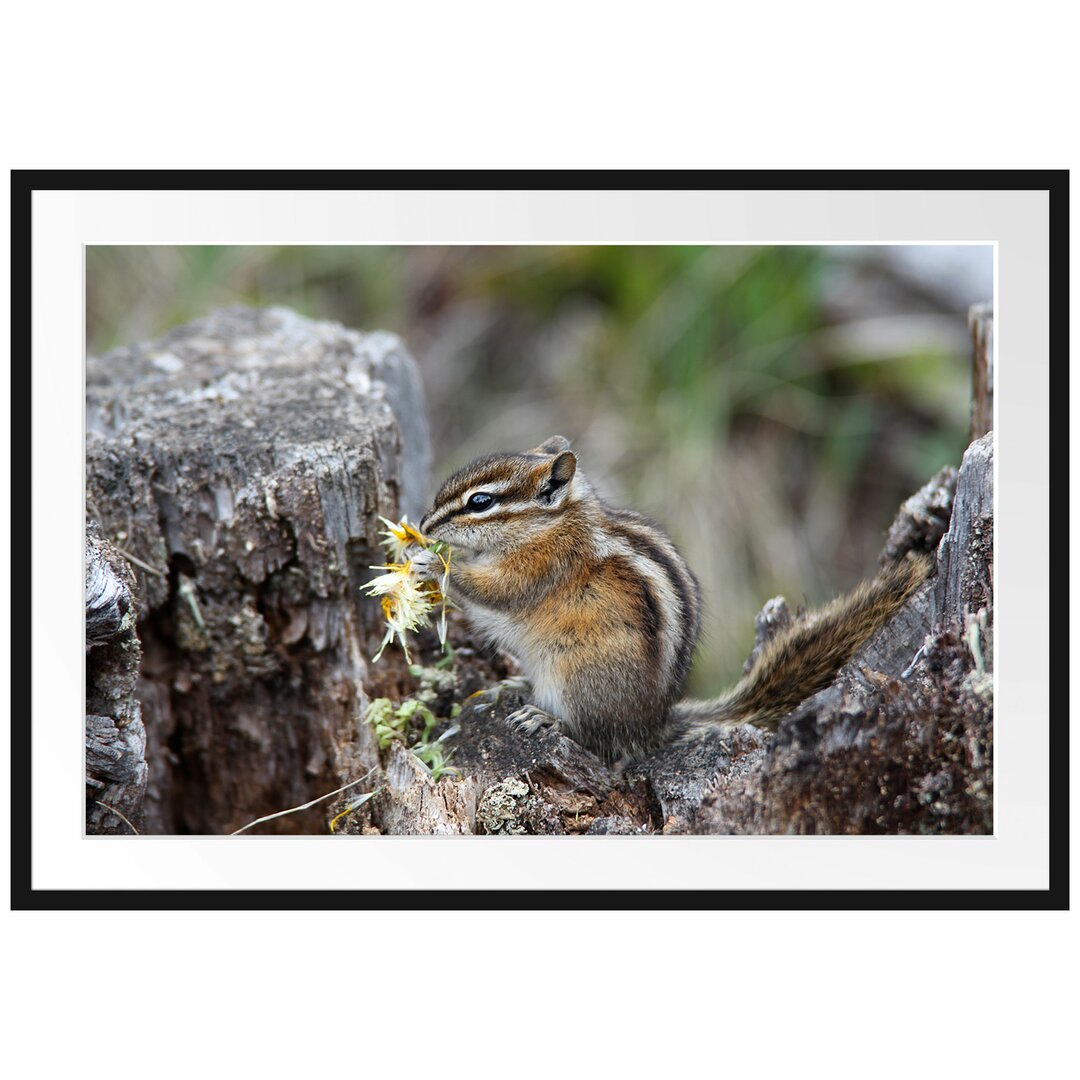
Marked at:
<point>603,614</point>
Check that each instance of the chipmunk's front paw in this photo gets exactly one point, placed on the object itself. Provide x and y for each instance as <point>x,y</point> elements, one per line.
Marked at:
<point>529,720</point>
<point>426,564</point>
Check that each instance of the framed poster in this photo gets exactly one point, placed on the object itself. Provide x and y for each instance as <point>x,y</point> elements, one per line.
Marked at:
<point>695,335</point>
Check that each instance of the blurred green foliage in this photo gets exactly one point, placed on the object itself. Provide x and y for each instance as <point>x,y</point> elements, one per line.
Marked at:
<point>772,406</point>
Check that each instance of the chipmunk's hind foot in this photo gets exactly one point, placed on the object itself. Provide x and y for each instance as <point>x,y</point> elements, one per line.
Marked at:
<point>529,720</point>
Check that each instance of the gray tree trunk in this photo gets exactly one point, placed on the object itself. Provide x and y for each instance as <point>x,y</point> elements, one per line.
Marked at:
<point>240,463</point>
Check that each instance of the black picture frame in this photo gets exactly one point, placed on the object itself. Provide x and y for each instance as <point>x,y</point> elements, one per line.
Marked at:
<point>24,183</point>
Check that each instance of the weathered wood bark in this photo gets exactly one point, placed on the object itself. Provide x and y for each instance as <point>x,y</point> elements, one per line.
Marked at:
<point>242,462</point>
<point>116,770</point>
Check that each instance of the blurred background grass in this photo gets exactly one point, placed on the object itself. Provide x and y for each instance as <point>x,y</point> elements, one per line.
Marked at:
<point>770,406</point>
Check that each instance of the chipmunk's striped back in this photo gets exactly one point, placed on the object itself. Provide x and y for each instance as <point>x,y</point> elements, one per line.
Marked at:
<point>603,613</point>
<point>675,591</point>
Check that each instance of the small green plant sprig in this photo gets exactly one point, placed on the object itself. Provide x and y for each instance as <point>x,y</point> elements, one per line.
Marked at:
<point>391,724</point>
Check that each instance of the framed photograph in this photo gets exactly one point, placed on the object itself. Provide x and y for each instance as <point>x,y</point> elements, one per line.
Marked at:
<point>560,539</point>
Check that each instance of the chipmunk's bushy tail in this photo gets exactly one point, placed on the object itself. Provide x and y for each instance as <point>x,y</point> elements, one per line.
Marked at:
<point>804,657</point>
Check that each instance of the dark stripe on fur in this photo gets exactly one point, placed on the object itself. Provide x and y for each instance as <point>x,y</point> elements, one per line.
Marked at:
<point>638,534</point>
<point>651,621</point>
<point>482,518</point>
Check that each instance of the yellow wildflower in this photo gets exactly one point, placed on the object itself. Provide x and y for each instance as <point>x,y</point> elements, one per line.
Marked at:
<point>406,599</point>
<point>400,537</point>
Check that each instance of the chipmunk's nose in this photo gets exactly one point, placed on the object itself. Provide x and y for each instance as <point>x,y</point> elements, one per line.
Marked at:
<point>423,521</point>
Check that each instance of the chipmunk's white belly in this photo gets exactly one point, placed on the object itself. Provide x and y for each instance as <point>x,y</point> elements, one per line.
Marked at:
<point>509,634</point>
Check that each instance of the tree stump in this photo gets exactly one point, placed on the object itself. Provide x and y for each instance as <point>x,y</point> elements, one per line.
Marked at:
<point>239,464</point>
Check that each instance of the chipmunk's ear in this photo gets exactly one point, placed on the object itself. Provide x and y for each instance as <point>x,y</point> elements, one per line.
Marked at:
<point>555,445</point>
<point>556,476</point>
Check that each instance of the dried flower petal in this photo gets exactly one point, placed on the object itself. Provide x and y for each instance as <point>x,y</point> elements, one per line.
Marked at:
<point>400,537</point>
<point>406,600</point>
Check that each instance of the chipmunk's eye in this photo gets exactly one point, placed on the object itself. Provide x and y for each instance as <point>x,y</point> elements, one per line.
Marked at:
<point>480,501</point>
